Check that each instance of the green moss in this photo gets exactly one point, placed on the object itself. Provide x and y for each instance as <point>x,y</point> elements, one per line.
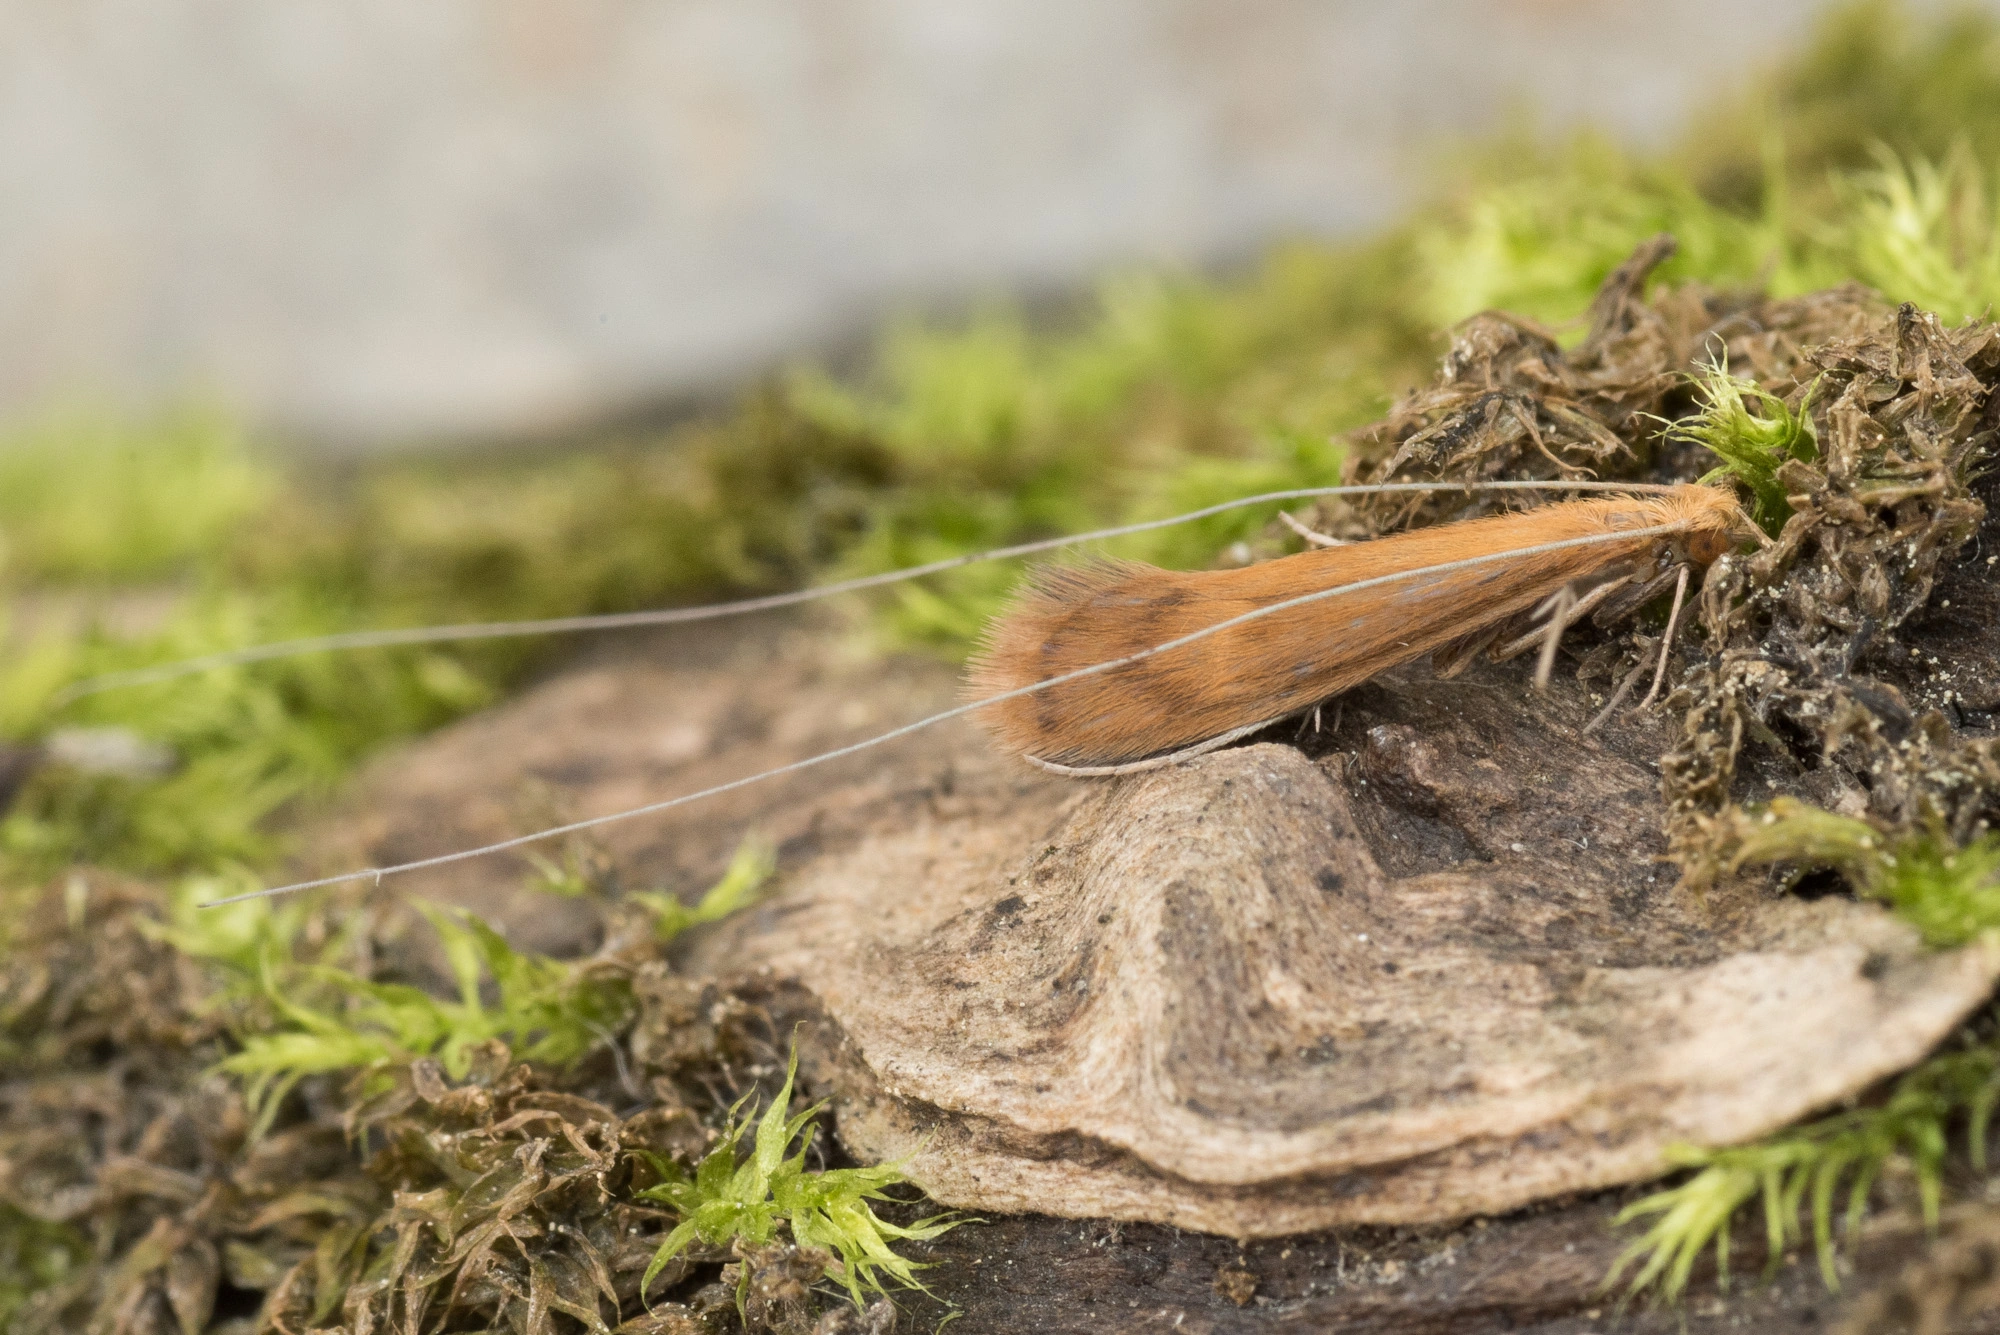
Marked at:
<point>1806,1170</point>
<point>1864,159</point>
<point>1921,230</point>
<point>1948,893</point>
<point>332,1020</point>
<point>1916,79</point>
<point>1752,445</point>
<point>87,498</point>
<point>1169,393</point>
<point>309,1016</point>
<point>34,1256</point>
<point>244,743</point>
<point>1540,242</point>
<point>727,1201</point>
<point>1917,228</point>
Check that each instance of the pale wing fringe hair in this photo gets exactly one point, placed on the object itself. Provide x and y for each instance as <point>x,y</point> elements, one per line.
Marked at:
<point>673,616</point>
<point>377,873</point>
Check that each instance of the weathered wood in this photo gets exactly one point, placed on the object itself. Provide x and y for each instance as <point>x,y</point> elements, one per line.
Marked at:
<point>1536,1269</point>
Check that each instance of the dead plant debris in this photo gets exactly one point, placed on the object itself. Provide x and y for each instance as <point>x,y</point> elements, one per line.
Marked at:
<point>391,1199</point>
<point>1867,428</point>
<point>1848,665</point>
<point>1801,655</point>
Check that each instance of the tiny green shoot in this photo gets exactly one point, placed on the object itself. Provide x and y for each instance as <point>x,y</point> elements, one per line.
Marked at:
<point>749,1200</point>
<point>1752,444</point>
<point>1950,894</point>
<point>1809,1166</point>
<point>748,872</point>
<point>566,877</point>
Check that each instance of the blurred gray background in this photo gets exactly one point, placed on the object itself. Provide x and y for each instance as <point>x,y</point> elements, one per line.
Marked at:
<point>367,223</point>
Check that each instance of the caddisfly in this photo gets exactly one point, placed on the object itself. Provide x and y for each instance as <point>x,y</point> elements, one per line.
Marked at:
<point>1111,667</point>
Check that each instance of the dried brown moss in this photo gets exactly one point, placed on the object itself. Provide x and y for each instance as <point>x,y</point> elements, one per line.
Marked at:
<point>111,1136</point>
<point>1958,1278</point>
<point>1797,634</point>
<point>1800,654</point>
<point>393,1200</point>
<point>506,1201</point>
<point>1511,402</point>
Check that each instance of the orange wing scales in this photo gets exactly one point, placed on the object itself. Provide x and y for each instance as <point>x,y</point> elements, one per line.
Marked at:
<point>1070,618</point>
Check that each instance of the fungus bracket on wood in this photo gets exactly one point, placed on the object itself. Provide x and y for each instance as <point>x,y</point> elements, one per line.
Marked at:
<point>1204,1001</point>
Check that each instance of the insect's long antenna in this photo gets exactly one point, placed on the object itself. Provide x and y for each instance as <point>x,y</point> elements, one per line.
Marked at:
<point>673,616</point>
<point>1625,535</point>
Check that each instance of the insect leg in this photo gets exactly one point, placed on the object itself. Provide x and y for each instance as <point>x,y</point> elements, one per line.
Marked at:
<point>1558,622</point>
<point>1617,698</point>
<point>1667,640</point>
<point>1312,536</point>
<point>1516,647</point>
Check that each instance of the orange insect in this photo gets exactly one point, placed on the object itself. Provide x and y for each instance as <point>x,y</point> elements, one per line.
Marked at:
<point>1395,599</point>
<point>1116,666</point>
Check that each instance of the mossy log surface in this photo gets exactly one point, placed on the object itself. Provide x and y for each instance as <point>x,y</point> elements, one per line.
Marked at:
<point>617,726</point>
<point>1396,970</point>
<point>1406,994</point>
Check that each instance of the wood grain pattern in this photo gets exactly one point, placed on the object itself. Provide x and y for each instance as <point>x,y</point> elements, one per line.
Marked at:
<point>1222,996</point>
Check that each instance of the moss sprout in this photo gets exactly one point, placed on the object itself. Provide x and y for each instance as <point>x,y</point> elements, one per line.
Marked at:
<point>1753,432</point>
<point>748,873</point>
<point>1950,894</point>
<point>1810,1170</point>
<point>727,1200</point>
